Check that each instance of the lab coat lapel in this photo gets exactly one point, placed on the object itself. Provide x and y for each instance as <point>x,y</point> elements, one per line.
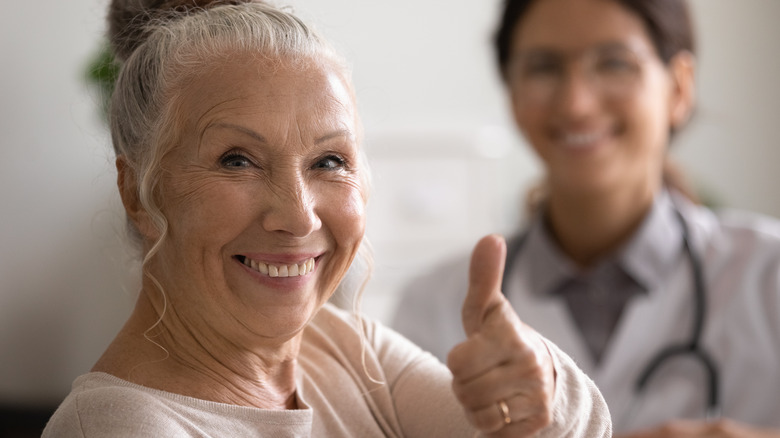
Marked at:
<point>549,316</point>
<point>649,324</point>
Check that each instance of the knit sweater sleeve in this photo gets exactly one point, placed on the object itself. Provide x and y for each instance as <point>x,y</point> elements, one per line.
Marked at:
<point>426,406</point>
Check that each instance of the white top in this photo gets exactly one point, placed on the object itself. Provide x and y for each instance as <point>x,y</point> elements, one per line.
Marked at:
<point>336,395</point>
<point>740,254</point>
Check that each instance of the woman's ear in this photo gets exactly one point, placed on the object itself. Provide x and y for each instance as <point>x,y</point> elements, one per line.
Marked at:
<point>683,74</point>
<point>127,182</point>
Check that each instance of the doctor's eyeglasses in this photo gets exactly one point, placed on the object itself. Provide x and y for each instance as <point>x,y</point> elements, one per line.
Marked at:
<point>538,76</point>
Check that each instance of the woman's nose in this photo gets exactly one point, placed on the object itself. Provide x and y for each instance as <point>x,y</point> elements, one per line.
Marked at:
<point>578,93</point>
<point>291,210</point>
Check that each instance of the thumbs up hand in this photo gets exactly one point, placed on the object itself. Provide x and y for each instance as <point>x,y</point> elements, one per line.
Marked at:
<point>502,373</point>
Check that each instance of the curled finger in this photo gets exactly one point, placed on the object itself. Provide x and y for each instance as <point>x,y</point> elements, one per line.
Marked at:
<point>513,416</point>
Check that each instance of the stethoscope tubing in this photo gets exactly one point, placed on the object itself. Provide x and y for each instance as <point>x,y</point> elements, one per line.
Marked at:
<point>691,348</point>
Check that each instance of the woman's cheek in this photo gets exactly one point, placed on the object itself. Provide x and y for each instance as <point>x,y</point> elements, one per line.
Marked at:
<point>351,209</point>
<point>349,195</point>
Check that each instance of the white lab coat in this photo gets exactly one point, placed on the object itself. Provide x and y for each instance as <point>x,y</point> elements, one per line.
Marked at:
<point>741,265</point>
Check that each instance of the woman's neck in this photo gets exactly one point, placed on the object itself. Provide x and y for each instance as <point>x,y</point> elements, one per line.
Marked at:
<point>589,226</point>
<point>168,357</point>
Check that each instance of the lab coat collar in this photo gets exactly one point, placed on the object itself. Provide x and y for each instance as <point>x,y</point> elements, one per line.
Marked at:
<point>550,267</point>
<point>650,256</point>
<point>647,258</point>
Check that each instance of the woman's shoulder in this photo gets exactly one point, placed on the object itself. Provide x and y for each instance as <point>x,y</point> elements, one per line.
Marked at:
<point>353,331</point>
<point>743,232</point>
<point>738,248</point>
<point>363,344</point>
<point>745,222</point>
<point>728,229</point>
<point>99,404</point>
<point>100,389</point>
<point>378,370</point>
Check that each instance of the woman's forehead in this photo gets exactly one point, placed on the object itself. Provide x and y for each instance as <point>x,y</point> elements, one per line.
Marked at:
<point>578,24</point>
<point>312,94</point>
<point>237,77</point>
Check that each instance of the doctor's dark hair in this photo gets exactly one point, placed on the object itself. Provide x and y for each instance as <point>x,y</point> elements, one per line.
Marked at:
<point>668,23</point>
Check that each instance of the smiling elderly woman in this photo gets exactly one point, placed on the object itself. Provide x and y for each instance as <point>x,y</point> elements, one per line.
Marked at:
<point>240,169</point>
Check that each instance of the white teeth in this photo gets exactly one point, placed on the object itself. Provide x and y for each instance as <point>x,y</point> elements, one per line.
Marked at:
<point>580,140</point>
<point>292,270</point>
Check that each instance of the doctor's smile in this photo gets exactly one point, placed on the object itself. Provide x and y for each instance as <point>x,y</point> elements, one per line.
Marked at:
<point>582,139</point>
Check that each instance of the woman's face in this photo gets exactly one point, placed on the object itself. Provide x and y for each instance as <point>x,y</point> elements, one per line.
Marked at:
<point>265,198</point>
<point>591,95</point>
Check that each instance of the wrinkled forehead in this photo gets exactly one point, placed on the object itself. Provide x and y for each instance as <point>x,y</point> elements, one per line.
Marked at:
<point>237,86</point>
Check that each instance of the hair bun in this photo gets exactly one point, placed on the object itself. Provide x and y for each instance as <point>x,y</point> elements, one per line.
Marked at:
<point>128,19</point>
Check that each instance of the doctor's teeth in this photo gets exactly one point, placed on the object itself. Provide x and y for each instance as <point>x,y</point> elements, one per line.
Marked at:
<point>580,139</point>
<point>291,270</point>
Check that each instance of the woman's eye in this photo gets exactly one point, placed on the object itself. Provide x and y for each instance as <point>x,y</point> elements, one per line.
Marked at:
<point>616,62</point>
<point>234,161</point>
<point>330,162</point>
<point>541,68</point>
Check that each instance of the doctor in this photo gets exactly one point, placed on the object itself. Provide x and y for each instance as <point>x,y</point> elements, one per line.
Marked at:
<point>672,309</point>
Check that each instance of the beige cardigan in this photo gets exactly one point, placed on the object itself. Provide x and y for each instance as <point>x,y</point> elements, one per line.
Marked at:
<point>337,397</point>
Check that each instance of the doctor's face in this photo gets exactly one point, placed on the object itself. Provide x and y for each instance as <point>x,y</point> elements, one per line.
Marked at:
<point>264,196</point>
<point>591,95</point>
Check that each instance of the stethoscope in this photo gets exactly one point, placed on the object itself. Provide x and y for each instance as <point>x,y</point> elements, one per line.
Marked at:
<point>691,348</point>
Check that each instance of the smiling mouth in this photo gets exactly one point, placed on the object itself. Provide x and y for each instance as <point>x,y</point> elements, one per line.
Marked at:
<point>276,270</point>
<point>580,140</point>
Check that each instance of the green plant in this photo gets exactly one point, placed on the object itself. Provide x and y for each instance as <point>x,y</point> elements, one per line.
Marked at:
<point>101,74</point>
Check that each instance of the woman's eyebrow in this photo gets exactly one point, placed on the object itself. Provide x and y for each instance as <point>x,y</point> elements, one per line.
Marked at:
<point>239,128</point>
<point>544,50</point>
<point>255,135</point>
<point>338,133</point>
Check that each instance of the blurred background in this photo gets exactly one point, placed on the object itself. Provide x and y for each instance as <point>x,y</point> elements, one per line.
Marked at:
<point>447,164</point>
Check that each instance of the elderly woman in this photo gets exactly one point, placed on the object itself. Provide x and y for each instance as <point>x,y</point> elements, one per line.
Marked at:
<point>240,169</point>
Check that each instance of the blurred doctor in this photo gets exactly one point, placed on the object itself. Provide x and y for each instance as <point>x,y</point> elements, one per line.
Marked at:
<point>672,309</point>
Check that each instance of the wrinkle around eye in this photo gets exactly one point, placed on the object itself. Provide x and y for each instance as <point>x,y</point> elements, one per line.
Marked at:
<point>191,183</point>
<point>356,182</point>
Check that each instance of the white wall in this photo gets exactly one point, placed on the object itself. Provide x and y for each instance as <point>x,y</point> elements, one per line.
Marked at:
<point>732,149</point>
<point>433,111</point>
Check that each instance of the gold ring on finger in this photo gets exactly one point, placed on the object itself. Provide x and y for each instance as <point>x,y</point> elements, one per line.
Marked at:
<point>504,409</point>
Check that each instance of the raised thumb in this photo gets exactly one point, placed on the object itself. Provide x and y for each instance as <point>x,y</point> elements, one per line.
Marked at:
<point>485,273</point>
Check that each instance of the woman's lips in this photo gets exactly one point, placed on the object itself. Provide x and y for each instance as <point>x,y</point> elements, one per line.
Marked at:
<point>279,269</point>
